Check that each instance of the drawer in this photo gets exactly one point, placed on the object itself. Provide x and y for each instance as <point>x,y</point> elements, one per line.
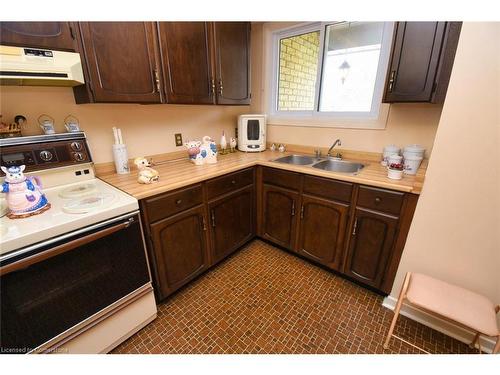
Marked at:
<point>168,204</point>
<point>380,199</point>
<point>329,189</point>
<point>227,183</point>
<point>279,177</point>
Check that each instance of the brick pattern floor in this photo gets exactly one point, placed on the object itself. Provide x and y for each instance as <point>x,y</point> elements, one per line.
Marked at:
<point>265,300</point>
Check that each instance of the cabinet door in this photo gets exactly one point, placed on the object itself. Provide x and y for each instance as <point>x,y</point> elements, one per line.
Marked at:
<point>121,62</point>
<point>232,56</point>
<point>371,244</point>
<point>231,222</point>
<point>179,247</point>
<point>322,230</point>
<point>186,62</point>
<point>414,62</point>
<point>280,209</point>
<point>51,35</point>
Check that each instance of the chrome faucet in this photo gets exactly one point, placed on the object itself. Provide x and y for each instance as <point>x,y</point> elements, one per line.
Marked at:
<point>337,142</point>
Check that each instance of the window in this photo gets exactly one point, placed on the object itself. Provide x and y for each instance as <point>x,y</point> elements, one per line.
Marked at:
<point>330,70</point>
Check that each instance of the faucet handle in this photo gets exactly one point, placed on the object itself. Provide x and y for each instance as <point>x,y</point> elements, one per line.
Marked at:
<point>317,152</point>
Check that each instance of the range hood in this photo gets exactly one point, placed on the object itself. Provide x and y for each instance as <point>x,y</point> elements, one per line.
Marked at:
<point>24,66</point>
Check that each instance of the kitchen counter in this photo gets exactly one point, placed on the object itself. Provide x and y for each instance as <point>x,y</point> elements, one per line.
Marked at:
<point>179,173</point>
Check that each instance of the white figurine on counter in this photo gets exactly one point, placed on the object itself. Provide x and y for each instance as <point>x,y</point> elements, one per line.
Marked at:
<point>146,175</point>
<point>223,143</point>
<point>202,153</point>
<point>232,144</point>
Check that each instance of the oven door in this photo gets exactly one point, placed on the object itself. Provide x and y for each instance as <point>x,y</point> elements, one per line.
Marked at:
<point>47,292</point>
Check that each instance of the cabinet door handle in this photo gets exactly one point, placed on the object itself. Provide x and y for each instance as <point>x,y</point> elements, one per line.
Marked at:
<point>157,80</point>
<point>293,208</point>
<point>212,85</point>
<point>302,212</point>
<point>355,227</point>
<point>220,87</point>
<point>204,223</point>
<point>178,201</point>
<point>212,216</point>
<point>392,78</point>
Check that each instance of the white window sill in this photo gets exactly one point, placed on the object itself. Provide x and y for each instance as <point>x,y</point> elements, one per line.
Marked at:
<point>327,121</point>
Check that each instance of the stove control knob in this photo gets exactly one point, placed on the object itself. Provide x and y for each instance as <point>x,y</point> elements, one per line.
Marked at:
<point>79,156</point>
<point>46,155</point>
<point>76,146</point>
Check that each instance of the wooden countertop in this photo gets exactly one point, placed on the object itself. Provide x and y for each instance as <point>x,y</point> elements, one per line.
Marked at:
<point>179,173</point>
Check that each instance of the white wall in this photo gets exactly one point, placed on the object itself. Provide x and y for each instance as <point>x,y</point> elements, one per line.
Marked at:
<point>455,234</point>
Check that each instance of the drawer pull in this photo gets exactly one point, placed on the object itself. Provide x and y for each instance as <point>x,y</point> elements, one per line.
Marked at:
<point>378,200</point>
<point>212,215</point>
<point>233,182</point>
<point>178,201</point>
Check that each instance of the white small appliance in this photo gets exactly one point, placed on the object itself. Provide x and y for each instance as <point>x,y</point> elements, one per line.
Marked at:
<point>252,133</point>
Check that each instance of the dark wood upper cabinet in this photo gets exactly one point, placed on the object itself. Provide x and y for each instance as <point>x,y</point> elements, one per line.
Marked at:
<point>232,56</point>
<point>371,243</point>
<point>180,249</point>
<point>421,61</point>
<point>50,35</point>
<point>322,230</point>
<point>232,222</point>
<point>121,63</point>
<point>279,211</point>
<point>185,49</point>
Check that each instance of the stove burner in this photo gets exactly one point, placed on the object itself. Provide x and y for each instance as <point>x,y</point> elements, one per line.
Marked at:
<point>78,191</point>
<point>88,203</point>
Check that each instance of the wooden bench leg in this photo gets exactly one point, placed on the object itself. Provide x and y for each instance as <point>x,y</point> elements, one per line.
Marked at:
<point>474,342</point>
<point>496,349</point>
<point>401,297</point>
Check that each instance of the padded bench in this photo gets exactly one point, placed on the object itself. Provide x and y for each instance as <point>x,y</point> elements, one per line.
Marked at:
<point>449,302</point>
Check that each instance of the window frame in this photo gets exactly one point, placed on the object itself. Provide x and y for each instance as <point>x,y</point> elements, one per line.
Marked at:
<point>374,119</point>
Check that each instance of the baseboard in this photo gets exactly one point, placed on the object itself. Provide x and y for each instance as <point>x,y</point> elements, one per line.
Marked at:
<point>449,329</point>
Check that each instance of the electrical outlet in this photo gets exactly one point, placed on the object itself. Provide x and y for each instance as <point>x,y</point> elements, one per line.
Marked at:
<point>236,133</point>
<point>178,139</point>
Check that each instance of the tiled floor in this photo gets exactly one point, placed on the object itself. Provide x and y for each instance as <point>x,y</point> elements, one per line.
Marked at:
<point>264,300</point>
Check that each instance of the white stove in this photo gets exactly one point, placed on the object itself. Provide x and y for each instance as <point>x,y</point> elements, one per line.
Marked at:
<point>74,205</point>
<point>74,278</point>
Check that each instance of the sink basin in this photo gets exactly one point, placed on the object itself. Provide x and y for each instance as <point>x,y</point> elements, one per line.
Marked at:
<point>296,159</point>
<point>339,166</point>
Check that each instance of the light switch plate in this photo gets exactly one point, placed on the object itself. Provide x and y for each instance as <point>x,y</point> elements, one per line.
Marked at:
<point>178,139</point>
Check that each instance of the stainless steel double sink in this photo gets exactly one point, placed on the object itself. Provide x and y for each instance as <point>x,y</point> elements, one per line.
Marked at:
<point>327,164</point>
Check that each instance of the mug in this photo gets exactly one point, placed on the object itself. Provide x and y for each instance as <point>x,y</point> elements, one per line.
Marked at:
<point>72,127</point>
<point>48,127</point>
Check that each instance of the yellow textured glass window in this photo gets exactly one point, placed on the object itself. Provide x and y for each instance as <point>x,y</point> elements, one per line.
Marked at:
<point>298,68</point>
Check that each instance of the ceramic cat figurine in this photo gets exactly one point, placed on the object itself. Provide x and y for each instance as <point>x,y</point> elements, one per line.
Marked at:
<point>24,194</point>
<point>147,175</point>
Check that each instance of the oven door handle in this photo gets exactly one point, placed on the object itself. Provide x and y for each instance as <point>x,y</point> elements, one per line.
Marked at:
<point>63,248</point>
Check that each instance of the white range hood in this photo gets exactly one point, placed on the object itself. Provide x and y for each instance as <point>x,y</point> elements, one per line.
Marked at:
<point>25,66</point>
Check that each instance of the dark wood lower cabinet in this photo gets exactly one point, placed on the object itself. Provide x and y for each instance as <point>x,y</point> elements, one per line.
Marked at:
<point>371,243</point>
<point>231,222</point>
<point>323,224</point>
<point>180,249</point>
<point>359,231</point>
<point>280,209</point>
